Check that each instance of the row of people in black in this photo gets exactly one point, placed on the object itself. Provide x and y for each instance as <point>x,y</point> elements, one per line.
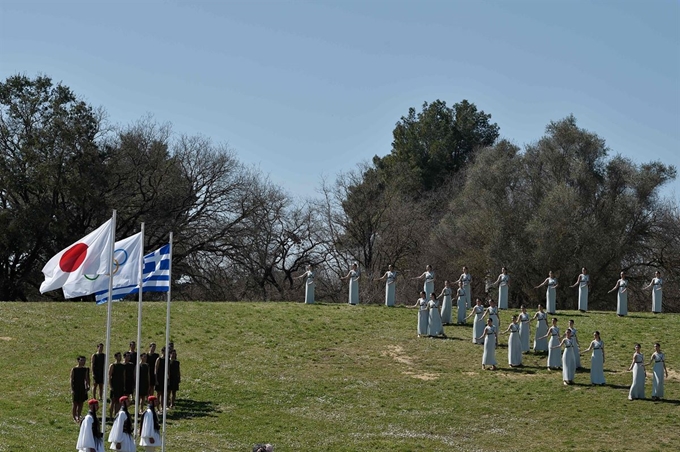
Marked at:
<point>122,377</point>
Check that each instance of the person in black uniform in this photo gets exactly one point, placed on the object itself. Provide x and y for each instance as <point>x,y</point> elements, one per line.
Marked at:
<point>98,363</point>
<point>151,358</point>
<point>174,377</point>
<point>160,377</point>
<point>133,352</point>
<point>143,381</point>
<point>80,384</point>
<point>129,375</point>
<point>117,383</point>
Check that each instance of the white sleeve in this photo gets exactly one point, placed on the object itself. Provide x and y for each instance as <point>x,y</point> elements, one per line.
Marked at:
<point>147,425</point>
<point>116,435</point>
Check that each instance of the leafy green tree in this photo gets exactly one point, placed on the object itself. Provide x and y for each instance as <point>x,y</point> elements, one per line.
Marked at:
<point>50,174</point>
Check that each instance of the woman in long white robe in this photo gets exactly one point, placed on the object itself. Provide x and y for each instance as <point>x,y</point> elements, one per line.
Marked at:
<point>434,326</point>
<point>583,283</point>
<point>658,372</point>
<point>492,314</point>
<point>390,277</point>
<point>447,304</point>
<point>554,358</point>
<point>308,275</point>
<point>540,341</point>
<point>423,315</point>
<point>478,323</point>
<point>503,283</point>
<point>575,344</point>
<point>550,293</point>
<point>596,360</point>
<point>490,341</point>
<point>637,388</point>
<point>657,292</point>
<point>428,277</point>
<point>514,343</point>
<point>568,361</point>
<point>524,329</point>
<point>461,303</point>
<point>353,277</point>
<point>621,295</point>
<point>466,279</point>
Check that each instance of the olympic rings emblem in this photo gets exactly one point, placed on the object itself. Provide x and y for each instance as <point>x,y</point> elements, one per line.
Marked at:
<point>120,257</point>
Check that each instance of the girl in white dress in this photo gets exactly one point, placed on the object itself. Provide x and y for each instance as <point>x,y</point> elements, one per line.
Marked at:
<point>524,329</point>
<point>637,388</point>
<point>658,372</point>
<point>622,295</point>
<point>596,360</point>
<point>353,277</point>
<point>492,314</point>
<point>390,287</point>
<point>554,358</point>
<point>466,279</point>
<point>447,305</point>
<point>514,345</point>
<point>575,344</point>
<point>657,292</point>
<point>540,343</point>
<point>434,327</point>
<point>503,283</point>
<point>490,341</point>
<point>461,302</point>
<point>550,293</point>
<point>428,276</point>
<point>309,284</point>
<point>583,283</point>
<point>423,315</point>
<point>478,322</point>
<point>568,361</point>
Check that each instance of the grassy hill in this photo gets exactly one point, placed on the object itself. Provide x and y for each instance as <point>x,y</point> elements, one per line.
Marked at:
<point>338,378</point>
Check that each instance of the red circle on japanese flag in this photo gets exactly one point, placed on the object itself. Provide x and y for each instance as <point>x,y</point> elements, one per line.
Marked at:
<point>73,257</point>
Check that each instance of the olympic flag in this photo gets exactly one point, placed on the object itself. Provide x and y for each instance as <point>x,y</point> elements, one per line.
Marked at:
<point>89,256</point>
<point>126,261</point>
<point>155,278</point>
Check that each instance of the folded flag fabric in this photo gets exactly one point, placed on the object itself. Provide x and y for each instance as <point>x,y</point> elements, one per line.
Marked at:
<point>126,266</point>
<point>155,278</point>
<point>89,256</point>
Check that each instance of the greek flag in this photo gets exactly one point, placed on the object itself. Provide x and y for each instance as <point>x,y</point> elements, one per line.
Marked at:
<point>156,277</point>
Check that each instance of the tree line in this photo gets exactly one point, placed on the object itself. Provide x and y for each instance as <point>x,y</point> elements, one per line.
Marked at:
<point>450,193</point>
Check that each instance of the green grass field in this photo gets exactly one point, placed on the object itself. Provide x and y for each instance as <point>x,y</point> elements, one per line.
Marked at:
<point>338,378</point>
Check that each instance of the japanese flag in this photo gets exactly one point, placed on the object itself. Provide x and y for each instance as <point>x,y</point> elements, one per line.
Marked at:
<point>90,255</point>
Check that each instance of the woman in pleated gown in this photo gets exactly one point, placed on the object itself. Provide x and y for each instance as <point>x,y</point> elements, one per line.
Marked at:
<point>621,295</point>
<point>583,283</point>
<point>658,372</point>
<point>524,329</point>
<point>478,322</point>
<point>575,344</point>
<point>554,358</point>
<point>490,340</point>
<point>434,326</point>
<point>657,292</point>
<point>423,314</point>
<point>596,360</point>
<point>503,283</point>
<point>308,275</point>
<point>550,293</point>
<point>390,287</point>
<point>568,362</point>
<point>447,304</point>
<point>466,279</point>
<point>637,388</point>
<point>353,277</point>
<point>428,277</point>
<point>514,343</point>
<point>540,341</point>
<point>461,303</point>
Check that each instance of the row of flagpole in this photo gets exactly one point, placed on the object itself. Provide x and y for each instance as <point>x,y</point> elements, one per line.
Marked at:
<point>66,270</point>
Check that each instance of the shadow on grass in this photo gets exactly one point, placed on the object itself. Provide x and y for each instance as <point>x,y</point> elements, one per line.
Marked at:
<point>190,409</point>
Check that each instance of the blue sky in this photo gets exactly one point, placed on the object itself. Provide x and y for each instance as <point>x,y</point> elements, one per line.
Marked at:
<point>305,89</point>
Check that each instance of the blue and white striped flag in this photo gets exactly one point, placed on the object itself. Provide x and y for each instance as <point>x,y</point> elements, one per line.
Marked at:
<point>156,277</point>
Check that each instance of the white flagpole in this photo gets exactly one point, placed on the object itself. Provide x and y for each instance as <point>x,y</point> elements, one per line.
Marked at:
<point>139,333</point>
<point>108,326</point>
<point>167,348</point>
